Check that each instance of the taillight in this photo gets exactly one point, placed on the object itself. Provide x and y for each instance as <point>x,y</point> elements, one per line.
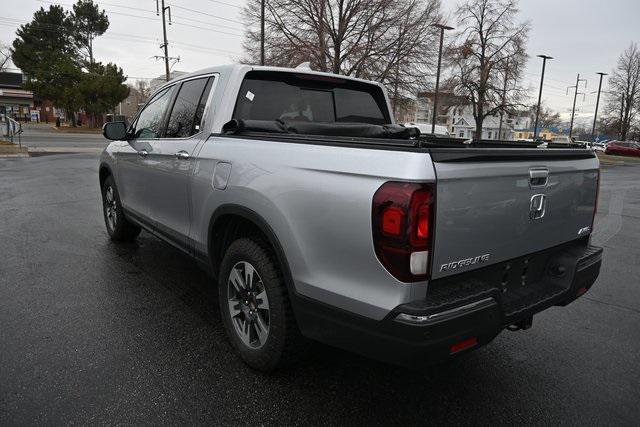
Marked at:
<point>402,220</point>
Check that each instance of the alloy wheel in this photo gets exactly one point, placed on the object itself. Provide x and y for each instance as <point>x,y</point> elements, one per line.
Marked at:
<point>110,208</point>
<point>248,305</point>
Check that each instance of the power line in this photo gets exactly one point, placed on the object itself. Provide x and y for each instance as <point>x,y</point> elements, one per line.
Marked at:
<point>207,23</point>
<point>207,14</point>
<point>12,22</point>
<point>154,12</point>
<point>206,29</point>
<point>125,7</point>
<point>226,4</point>
<point>154,19</point>
<point>113,12</point>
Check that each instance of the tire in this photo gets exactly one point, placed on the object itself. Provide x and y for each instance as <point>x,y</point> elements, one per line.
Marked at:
<point>258,319</point>
<point>118,227</point>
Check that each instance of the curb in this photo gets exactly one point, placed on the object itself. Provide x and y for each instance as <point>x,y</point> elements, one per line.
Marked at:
<point>16,155</point>
<point>65,150</point>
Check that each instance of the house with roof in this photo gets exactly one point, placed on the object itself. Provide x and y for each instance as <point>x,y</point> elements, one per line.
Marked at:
<point>456,113</point>
<point>465,127</point>
<point>15,101</point>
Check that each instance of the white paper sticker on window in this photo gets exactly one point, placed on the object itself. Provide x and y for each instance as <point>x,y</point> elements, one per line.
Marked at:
<point>250,95</point>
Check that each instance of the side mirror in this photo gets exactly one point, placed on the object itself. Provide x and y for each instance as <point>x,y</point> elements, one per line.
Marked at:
<point>115,131</point>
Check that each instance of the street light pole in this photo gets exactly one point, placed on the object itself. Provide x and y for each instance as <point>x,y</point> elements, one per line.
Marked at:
<point>544,65</point>
<point>262,32</point>
<point>435,95</point>
<point>595,116</point>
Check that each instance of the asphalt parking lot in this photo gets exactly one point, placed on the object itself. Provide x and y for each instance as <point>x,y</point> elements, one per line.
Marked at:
<point>94,332</point>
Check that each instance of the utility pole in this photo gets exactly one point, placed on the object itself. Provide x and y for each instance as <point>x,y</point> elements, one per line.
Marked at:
<point>575,96</point>
<point>261,32</point>
<point>165,45</point>
<point>435,95</point>
<point>504,97</point>
<point>595,116</point>
<point>544,64</point>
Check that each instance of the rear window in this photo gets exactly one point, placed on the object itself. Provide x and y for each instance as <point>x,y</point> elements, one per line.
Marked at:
<point>309,98</point>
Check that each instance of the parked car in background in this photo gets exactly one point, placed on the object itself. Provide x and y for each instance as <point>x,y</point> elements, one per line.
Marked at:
<point>598,146</point>
<point>426,128</point>
<point>562,140</point>
<point>623,148</point>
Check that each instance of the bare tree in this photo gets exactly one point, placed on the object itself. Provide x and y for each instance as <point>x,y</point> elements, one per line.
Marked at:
<point>142,86</point>
<point>624,90</point>
<point>490,46</point>
<point>390,41</point>
<point>547,118</point>
<point>5,56</point>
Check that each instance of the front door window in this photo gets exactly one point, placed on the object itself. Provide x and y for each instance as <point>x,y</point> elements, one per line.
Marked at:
<point>149,123</point>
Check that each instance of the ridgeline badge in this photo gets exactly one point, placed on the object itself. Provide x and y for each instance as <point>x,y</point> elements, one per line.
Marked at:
<point>464,262</point>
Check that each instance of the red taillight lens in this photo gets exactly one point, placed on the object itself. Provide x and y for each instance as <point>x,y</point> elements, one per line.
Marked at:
<point>392,220</point>
<point>423,223</point>
<point>402,216</point>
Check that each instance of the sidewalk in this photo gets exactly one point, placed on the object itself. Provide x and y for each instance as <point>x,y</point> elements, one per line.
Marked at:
<point>69,129</point>
<point>8,149</point>
<point>608,159</point>
<point>65,149</point>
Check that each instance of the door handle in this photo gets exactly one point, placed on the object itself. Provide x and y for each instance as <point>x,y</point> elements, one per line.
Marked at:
<point>143,153</point>
<point>538,177</point>
<point>182,155</point>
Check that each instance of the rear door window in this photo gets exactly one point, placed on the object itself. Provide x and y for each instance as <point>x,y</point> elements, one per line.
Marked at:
<point>186,115</point>
<point>301,97</point>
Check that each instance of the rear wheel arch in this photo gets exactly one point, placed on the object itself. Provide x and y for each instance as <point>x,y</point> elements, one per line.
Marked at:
<point>232,222</point>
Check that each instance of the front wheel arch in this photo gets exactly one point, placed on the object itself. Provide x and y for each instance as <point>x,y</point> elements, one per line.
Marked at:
<point>104,172</point>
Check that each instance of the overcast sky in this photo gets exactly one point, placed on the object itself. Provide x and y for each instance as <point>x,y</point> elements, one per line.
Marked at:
<point>585,36</point>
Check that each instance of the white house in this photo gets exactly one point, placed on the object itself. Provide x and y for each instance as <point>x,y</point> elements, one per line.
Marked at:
<point>465,127</point>
<point>456,114</point>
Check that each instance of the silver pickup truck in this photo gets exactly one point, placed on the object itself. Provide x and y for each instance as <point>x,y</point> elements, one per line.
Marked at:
<point>320,218</point>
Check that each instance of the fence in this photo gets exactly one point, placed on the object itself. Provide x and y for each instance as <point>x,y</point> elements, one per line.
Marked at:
<point>11,130</point>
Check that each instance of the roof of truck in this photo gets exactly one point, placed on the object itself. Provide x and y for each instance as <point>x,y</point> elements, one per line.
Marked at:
<point>243,68</point>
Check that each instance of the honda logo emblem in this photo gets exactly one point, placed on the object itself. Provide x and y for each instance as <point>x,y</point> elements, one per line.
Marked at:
<point>538,206</point>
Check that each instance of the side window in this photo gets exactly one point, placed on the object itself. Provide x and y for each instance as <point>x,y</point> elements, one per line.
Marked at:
<point>149,123</point>
<point>187,111</point>
<point>357,106</point>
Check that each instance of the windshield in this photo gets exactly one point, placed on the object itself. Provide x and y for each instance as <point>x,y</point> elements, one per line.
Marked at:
<point>268,95</point>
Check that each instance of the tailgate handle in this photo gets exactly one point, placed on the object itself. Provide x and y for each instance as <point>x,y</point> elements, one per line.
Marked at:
<point>538,177</point>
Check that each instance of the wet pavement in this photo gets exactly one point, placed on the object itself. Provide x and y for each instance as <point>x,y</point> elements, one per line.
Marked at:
<point>96,332</point>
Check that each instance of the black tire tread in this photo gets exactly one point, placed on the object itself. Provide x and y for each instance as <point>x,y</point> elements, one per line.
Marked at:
<point>288,348</point>
<point>125,231</point>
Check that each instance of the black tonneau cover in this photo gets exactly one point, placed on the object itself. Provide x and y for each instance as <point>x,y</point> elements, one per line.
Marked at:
<point>397,137</point>
<point>359,130</point>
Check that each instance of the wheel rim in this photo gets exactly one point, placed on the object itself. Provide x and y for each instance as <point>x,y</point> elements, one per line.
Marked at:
<point>110,207</point>
<point>248,305</point>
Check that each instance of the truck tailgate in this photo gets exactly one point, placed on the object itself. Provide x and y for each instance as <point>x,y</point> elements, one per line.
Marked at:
<point>495,205</point>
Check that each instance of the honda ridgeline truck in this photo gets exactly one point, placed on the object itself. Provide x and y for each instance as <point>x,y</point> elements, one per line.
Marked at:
<point>320,218</point>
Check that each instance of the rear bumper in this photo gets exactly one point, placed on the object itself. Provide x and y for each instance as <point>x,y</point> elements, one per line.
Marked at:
<point>472,307</point>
